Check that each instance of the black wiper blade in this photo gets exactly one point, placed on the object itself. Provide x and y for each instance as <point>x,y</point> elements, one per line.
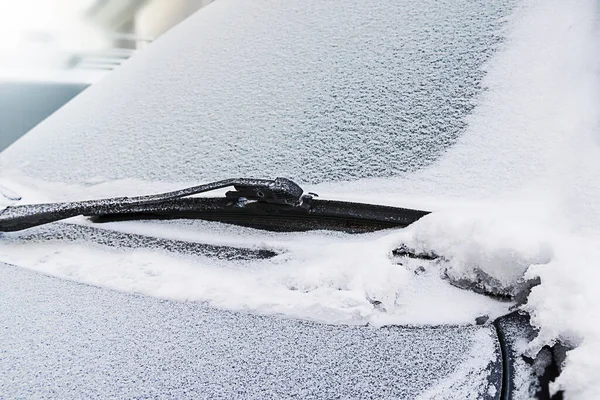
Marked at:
<point>277,205</point>
<point>280,191</point>
<point>312,215</point>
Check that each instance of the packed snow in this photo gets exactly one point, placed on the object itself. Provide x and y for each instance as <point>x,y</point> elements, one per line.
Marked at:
<point>286,89</point>
<point>322,276</point>
<point>533,149</point>
<point>515,200</point>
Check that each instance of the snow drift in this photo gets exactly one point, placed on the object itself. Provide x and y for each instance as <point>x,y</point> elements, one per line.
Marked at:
<point>533,150</point>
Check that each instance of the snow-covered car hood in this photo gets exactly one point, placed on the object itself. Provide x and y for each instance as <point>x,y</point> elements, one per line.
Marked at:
<point>72,340</point>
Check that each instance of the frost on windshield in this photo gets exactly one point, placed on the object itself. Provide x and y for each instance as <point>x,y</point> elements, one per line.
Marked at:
<point>310,90</point>
<point>523,183</point>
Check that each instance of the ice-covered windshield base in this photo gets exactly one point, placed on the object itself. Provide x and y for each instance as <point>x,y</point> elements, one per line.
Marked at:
<point>321,276</point>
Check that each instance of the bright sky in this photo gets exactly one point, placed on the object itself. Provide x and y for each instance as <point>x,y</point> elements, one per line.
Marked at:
<point>59,19</point>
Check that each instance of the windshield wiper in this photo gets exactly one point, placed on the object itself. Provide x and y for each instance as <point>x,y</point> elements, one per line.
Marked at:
<point>278,204</point>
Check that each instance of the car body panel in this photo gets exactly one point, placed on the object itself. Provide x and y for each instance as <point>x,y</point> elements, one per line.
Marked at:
<point>70,340</point>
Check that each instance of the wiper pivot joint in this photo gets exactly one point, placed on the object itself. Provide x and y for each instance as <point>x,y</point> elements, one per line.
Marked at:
<point>279,191</point>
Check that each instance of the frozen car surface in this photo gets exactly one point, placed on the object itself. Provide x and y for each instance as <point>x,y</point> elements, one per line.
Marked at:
<point>314,91</point>
<point>322,92</point>
<point>69,340</point>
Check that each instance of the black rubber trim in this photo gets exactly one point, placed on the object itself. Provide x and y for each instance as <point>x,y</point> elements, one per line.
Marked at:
<point>511,329</point>
<point>506,389</point>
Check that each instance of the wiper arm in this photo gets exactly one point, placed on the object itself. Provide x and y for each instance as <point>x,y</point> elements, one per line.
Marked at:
<point>277,205</point>
<point>280,191</point>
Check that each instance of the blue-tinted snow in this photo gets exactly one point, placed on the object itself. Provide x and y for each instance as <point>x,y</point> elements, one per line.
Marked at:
<point>312,90</point>
<point>69,340</point>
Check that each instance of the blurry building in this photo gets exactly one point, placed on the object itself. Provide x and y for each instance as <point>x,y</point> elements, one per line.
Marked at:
<point>51,50</point>
<point>133,24</point>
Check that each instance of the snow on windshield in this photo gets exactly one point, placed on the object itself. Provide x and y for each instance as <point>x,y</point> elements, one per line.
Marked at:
<point>532,151</point>
<point>308,90</point>
<point>268,90</point>
<point>516,194</point>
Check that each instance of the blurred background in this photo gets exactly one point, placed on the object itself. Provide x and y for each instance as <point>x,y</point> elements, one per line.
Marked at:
<point>51,50</point>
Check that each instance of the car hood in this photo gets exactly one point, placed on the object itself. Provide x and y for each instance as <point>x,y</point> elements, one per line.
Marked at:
<point>74,340</point>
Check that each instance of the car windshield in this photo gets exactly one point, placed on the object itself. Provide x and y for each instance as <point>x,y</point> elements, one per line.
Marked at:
<point>284,89</point>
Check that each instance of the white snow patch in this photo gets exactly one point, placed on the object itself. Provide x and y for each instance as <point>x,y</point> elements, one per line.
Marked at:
<point>500,241</point>
<point>333,278</point>
<point>510,246</point>
<point>535,136</point>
